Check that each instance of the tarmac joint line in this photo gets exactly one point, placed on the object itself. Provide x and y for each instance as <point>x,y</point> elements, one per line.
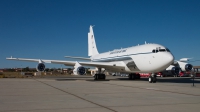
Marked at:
<point>76,96</point>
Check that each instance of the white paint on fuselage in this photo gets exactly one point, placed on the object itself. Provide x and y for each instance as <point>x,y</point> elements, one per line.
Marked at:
<point>142,55</point>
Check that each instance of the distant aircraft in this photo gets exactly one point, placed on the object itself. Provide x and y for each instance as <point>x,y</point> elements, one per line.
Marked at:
<point>177,67</point>
<point>147,58</point>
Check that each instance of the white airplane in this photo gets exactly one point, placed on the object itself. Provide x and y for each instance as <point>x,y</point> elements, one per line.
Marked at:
<point>179,66</point>
<point>147,58</point>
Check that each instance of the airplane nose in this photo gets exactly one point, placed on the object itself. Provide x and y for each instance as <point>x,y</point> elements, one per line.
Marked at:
<point>169,58</point>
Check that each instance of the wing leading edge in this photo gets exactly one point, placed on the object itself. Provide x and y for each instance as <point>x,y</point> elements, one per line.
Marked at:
<point>71,63</point>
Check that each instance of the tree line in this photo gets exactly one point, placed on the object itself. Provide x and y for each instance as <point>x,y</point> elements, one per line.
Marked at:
<point>27,69</point>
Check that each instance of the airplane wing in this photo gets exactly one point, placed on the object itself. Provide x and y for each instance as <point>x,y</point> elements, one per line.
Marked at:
<point>181,60</point>
<point>72,63</point>
<point>82,58</point>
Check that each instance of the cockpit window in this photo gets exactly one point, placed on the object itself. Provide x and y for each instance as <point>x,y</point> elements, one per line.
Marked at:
<point>167,50</point>
<point>160,50</point>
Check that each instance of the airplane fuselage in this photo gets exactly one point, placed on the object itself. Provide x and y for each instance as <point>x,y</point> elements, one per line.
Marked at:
<point>149,58</point>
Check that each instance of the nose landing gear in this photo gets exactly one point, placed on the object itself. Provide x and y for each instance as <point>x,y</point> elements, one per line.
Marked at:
<point>152,78</point>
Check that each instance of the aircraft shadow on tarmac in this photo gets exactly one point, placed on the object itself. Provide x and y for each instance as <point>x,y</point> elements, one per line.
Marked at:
<point>168,80</point>
<point>80,79</point>
<point>179,80</point>
<point>74,78</point>
<point>161,80</point>
<point>66,79</point>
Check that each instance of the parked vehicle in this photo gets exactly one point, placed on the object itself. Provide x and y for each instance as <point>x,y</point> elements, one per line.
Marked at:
<point>144,74</point>
<point>184,74</point>
<point>165,74</point>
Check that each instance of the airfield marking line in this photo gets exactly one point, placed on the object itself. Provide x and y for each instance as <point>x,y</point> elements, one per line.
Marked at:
<point>154,89</point>
<point>76,96</point>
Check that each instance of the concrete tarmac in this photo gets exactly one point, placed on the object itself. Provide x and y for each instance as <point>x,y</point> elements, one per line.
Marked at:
<point>83,94</point>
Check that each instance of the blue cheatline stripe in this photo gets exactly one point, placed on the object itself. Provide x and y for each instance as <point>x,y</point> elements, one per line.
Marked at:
<point>119,58</point>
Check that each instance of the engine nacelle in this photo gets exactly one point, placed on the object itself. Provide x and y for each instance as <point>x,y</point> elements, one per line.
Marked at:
<point>40,67</point>
<point>174,69</point>
<point>188,67</point>
<point>79,70</point>
<point>185,66</point>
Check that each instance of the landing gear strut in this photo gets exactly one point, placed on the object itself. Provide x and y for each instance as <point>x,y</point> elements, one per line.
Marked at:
<point>100,75</point>
<point>152,78</point>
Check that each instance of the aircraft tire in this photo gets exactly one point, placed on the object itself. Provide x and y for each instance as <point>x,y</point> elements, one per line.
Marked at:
<point>154,79</point>
<point>137,76</point>
<point>133,76</point>
<point>103,76</point>
<point>96,76</point>
<point>130,76</point>
<point>99,76</point>
<point>150,79</point>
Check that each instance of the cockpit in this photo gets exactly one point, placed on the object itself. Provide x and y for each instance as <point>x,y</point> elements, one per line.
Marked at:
<point>160,50</point>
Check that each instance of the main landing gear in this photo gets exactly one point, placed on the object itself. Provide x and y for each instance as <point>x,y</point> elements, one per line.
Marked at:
<point>133,76</point>
<point>100,75</point>
<point>152,78</point>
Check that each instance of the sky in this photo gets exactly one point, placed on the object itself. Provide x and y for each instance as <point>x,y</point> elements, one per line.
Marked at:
<point>52,29</point>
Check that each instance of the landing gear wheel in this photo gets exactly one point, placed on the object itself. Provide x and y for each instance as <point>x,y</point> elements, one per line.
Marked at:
<point>133,76</point>
<point>150,79</point>
<point>130,76</point>
<point>96,76</point>
<point>99,76</point>
<point>137,76</point>
<point>154,79</point>
<point>102,76</point>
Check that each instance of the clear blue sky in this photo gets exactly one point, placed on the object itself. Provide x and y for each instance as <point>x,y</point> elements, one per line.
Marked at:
<point>52,29</point>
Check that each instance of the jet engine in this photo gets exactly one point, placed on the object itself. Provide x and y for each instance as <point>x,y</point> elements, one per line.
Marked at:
<point>40,67</point>
<point>185,66</point>
<point>174,69</point>
<point>79,70</point>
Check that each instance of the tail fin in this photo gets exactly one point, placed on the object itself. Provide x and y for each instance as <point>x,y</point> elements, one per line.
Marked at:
<point>92,49</point>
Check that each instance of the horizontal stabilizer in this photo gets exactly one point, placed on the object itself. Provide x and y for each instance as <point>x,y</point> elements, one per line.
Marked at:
<point>82,58</point>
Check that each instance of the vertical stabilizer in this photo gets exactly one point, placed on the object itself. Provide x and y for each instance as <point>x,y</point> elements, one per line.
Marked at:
<point>92,49</point>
